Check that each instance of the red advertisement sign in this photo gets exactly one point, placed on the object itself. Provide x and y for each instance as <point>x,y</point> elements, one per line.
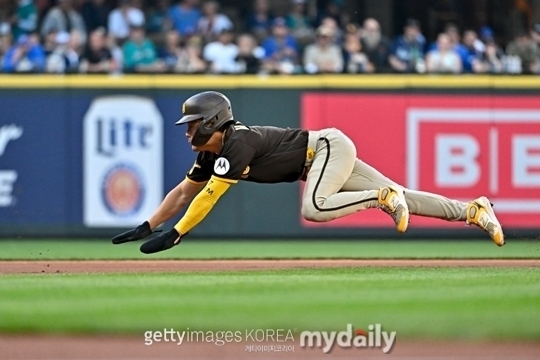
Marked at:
<point>461,147</point>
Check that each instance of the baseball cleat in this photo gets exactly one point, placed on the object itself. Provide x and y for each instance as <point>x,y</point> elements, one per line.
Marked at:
<point>480,213</point>
<point>392,201</point>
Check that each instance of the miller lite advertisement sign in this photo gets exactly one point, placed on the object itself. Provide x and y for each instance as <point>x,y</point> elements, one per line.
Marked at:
<point>123,161</point>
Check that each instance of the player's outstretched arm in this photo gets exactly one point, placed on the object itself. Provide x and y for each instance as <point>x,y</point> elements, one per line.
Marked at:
<point>175,200</point>
<point>201,205</point>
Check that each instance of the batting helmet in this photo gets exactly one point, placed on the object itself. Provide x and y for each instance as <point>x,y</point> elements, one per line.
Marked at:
<point>213,108</point>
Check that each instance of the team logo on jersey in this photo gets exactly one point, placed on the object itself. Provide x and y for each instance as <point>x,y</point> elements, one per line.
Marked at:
<point>221,166</point>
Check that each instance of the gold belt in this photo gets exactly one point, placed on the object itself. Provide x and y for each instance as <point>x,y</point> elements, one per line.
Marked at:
<point>310,154</point>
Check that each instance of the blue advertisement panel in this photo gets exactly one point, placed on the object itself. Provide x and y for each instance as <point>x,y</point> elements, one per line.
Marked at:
<point>58,151</point>
<point>34,159</point>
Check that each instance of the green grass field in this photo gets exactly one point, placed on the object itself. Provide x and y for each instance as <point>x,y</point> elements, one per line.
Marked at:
<point>327,249</point>
<point>440,302</point>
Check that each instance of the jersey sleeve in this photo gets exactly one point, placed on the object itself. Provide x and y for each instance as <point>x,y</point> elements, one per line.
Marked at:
<point>233,160</point>
<point>202,169</point>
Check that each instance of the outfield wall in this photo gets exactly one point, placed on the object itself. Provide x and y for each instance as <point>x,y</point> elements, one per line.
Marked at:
<point>83,156</point>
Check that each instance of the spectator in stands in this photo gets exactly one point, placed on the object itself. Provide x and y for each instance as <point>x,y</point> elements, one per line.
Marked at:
<point>259,21</point>
<point>122,18</point>
<point>472,52</point>
<point>6,40</point>
<point>249,54</point>
<point>25,56</point>
<point>454,36</point>
<point>54,47</point>
<point>491,61</point>
<point>95,14</point>
<point>7,8</point>
<point>139,53</point>
<point>486,34</point>
<point>444,59</point>
<point>212,22</point>
<point>280,49</point>
<point>375,45</point>
<point>324,56</point>
<point>64,18</point>
<point>49,42</point>
<point>73,53</point>
<point>157,19</point>
<point>524,49</point>
<point>334,10</point>
<point>192,62</point>
<point>407,52</point>
<point>535,36</point>
<point>117,53</point>
<point>97,57</point>
<point>66,57</point>
<point>172,52</point>
<point>299,23</point>
<point>355,61</point>
<point>221,54</point>
<point>184,17</point>
<point>331,23</point>
<point>25,19</point>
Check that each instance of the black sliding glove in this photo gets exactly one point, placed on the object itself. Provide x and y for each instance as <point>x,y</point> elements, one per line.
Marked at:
<point>138,233</point>
<point>162,242</point>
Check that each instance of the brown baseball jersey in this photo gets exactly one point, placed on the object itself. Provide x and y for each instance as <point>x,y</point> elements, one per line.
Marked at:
<point>263,154</point>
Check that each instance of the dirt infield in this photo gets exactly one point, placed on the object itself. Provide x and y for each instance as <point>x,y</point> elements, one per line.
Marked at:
<point>38,347</point>
<point>129,266</point>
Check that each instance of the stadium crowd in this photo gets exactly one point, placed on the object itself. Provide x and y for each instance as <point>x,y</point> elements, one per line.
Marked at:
<point>191,36</point>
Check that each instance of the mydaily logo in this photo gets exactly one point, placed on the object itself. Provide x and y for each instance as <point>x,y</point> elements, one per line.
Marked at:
<point>375,337</point>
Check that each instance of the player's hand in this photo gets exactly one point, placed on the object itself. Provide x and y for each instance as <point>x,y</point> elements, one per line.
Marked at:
<point>138,233</point>
<point>162,242</point>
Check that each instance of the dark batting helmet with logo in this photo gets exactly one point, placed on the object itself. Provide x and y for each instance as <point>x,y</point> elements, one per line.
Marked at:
<point>212,108</point>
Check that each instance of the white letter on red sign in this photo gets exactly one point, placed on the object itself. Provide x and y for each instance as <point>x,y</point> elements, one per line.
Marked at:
<point>456,160</point>
<point>526,160</point>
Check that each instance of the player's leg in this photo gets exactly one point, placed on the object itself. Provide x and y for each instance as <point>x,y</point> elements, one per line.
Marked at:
<point>334,161</point>
<point>478,212</point>
<point>366,177</point>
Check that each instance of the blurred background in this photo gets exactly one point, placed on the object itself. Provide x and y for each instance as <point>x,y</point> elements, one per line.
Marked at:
<point>262,36</point>
<point>441,96</point>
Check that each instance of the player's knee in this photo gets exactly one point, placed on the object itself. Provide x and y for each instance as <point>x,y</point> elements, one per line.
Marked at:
<point>310,213</point>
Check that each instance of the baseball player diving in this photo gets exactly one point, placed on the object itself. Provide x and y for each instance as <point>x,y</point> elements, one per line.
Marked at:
<point>337,183</point>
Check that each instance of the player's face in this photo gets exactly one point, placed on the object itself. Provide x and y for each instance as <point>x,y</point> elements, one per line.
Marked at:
<point>191,129</point>
<point>212,145</point>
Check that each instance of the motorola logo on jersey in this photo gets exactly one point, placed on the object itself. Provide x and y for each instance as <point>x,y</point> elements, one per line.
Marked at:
<point>221,166</point>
